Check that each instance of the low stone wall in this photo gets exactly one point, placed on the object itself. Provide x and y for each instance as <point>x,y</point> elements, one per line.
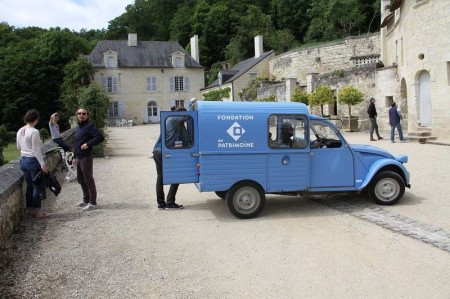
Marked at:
<point>13,187</point>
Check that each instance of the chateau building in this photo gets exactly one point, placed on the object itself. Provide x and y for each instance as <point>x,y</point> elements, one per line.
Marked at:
<point>142,78</point>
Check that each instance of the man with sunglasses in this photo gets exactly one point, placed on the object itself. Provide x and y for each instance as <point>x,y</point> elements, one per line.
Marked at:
<point>86,137</point>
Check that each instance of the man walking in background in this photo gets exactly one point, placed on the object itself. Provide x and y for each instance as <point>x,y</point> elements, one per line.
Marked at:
<point>372,111</point>
<point>394,120</point>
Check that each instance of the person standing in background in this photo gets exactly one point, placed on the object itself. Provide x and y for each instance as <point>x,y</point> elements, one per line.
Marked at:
<point>31,161</point>
<point>54,131</point>
<point>394,120</point>
<point>372,111</point>
<point>86,137</point>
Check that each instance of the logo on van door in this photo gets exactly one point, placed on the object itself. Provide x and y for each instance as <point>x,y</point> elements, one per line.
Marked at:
<point>236,131</point>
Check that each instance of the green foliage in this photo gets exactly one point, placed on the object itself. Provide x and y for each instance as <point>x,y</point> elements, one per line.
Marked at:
<point>270,98</point>
<point>31,72</point>
<point>96,102</point>
<point>321,96</point>
<point>78,74</point>
<point>300,96</point>
<point>44,134</point>
<point>10,153</point>
<point>5,139</point>
<point>350,95</point>
<point>217,95</point>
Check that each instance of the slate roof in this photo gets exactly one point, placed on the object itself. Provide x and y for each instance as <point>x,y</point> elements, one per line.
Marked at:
<point>238,70</point>
<point>147,54</point>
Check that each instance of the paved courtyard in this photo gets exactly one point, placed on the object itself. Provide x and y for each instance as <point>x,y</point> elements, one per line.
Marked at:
<point>297,248</point>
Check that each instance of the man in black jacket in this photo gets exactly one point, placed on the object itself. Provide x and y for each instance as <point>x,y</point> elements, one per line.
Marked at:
<point>372,111</point>
<point>86,137</point>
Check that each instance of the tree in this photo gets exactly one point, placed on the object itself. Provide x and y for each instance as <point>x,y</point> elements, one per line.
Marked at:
<point>300,96</point>
<point>96,102</point>
<point>321,96</point>
<point>349,96</point>
<point>78,74</point>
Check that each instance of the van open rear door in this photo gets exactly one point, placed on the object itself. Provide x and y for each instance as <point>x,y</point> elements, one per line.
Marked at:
<point>180,156</point>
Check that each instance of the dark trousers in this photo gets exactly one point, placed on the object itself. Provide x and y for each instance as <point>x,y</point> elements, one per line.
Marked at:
<point>157,156</point>
<point>373,126</point>
<point>85,177</point>
<point>30,167</point>
<point>62,144</point>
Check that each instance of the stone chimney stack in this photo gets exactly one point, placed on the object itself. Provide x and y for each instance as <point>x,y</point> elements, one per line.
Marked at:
<point>258,46</point>
<point>385,6</point>
<point>132,39</point>
<point>194,48</point>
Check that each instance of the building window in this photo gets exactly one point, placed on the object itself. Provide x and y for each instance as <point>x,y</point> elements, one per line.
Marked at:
<point>151,83</point>
<point>252,76</point>
<point>110,84</point>
<point>111,62</point>
<point>179,83</point>
<point>113,109</point>
<point>179,103</point>
<point>178,63</point>
<point>116,109</point>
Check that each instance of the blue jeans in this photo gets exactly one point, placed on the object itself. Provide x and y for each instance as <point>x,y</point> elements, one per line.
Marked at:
<point>30,167</point>
<point>399,129</point>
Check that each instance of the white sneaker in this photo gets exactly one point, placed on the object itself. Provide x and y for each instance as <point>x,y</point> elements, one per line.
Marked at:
<point>82,204</point>
<point>89,207</point>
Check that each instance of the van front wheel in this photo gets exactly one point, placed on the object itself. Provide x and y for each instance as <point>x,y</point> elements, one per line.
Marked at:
<point>245,200</point>
<point>386,188</point>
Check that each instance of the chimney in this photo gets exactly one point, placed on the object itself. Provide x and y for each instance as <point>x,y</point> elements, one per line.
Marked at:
<point>132,39</point>
<point>385,7</point>
<point>194,48</point>
<point>258,45</point>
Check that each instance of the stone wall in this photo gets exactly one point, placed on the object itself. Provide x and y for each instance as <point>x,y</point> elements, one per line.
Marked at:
<point>325,58</point>
<point>13,187</point>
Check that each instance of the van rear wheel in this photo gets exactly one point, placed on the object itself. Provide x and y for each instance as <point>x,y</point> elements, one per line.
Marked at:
<point>245,199</point>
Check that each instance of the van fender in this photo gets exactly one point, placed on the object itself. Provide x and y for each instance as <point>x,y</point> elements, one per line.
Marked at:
<point>383,163</point>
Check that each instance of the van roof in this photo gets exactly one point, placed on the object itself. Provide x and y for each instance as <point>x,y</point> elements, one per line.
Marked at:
<point>270,107</point>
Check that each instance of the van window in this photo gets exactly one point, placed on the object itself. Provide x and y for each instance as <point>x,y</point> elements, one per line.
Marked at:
<point>287,131</point>
<point>323,135</point>
<point>179,131</point>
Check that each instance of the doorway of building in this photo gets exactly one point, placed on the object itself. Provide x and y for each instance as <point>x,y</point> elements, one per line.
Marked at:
<point>152,112</point>
<point>425,114</point>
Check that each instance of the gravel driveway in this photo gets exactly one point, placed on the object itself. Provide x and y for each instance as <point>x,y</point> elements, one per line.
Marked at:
<point>296,248</point>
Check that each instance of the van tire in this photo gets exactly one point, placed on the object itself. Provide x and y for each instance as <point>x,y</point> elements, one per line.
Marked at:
<point>221,194</point>
<point>386,188</point>
<point>245,199</point>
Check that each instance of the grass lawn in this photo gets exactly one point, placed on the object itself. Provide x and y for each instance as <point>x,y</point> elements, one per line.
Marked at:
<point>11,152</point>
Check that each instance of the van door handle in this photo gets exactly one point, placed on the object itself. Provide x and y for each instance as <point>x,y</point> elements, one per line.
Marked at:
<point>195,154</point>
<point>166,155</point>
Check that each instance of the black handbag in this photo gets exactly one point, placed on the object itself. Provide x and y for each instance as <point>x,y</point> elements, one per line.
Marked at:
<point>37,178</point>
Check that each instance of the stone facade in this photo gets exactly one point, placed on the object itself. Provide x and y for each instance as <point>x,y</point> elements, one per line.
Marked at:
<point>415,38</point>
<point>132,90</point>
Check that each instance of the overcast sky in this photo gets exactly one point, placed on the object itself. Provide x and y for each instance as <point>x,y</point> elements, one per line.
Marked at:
<point>72,14</point>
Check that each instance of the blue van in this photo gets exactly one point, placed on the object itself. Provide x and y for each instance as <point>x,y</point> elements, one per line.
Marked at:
<point>244,150</point>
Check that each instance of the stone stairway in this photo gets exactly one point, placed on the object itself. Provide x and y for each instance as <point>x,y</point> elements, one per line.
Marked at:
<point>421,134</point>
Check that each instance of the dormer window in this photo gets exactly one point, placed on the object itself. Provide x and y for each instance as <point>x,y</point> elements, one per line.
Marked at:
<point>178,59</point>
<point>110,59</point>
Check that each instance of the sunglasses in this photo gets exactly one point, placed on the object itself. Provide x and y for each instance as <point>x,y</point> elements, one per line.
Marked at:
<point>82,113</point>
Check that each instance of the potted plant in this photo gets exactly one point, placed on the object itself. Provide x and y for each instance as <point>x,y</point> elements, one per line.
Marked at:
<point>321,96</point>
<point>350,96</point>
